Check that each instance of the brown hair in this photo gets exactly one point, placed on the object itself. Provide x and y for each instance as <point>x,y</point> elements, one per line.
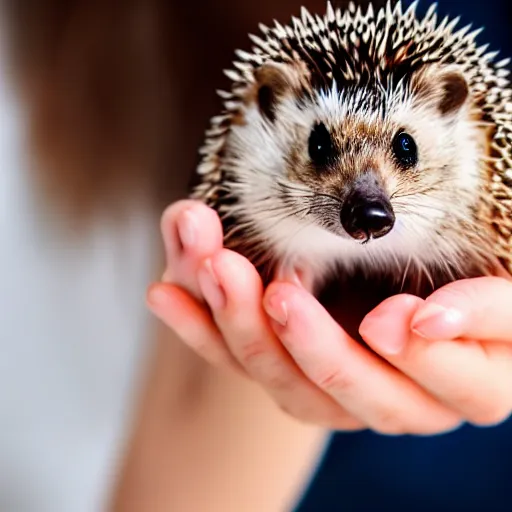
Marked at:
<point>119,92</point>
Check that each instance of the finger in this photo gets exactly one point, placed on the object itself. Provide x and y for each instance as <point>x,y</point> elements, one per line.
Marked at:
<point>191,232</point>
<point>473,379</point>
<point>234,291</point>
<point>367,387</point>
<point>191,322</point>
<point>471,308</point>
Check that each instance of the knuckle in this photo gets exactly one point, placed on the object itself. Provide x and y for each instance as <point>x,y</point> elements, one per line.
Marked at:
<point>251,352</point>
<point>265,366</point>
<point>335,381</point>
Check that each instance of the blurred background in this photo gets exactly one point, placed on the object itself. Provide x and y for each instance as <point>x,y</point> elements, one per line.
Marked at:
<point>103,104</point>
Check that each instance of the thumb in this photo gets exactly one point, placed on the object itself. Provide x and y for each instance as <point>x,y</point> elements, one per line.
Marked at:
<point>477,309</point>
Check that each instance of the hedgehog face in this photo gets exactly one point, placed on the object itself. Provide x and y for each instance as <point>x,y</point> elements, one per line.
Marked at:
<point>382,154</point>
<point>391,168</point>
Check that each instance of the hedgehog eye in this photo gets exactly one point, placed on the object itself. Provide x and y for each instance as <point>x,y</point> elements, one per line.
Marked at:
<point>405,149</point>
<point>321,149</point>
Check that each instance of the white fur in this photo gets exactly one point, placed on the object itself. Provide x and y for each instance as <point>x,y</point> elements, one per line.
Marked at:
<point>297,241</point>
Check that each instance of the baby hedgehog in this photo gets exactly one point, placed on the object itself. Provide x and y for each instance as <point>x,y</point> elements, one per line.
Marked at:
<point>376,141</point>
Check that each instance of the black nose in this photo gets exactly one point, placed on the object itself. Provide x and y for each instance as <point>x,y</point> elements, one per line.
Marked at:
<point>363,219</point>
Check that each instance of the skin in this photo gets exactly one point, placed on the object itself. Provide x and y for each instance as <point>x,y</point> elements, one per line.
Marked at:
<point>193,427</point>
<point>444,360</point>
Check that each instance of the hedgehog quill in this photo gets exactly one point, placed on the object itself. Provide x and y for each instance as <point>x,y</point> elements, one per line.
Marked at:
<point>375,140</point>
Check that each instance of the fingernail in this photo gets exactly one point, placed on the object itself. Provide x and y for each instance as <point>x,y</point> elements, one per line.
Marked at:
<point>433,321</point>
<point>381,333</point>
<point>387,328</point>
<point>210,286</point>
<point>276,308</point>
<point>187,228</point>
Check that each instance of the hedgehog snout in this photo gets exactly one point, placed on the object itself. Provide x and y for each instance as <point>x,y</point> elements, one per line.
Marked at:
<point>367,212</point>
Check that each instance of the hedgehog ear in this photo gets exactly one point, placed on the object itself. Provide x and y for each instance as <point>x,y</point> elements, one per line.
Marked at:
<point>455,92</point>
<point>274,81</point>
<point>447,88</point>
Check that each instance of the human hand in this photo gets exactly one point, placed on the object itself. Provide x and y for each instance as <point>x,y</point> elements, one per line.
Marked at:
<point>309,365</point>
<point>459,347</point>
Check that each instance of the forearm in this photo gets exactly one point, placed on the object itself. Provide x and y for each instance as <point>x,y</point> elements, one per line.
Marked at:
<point>211,442</point>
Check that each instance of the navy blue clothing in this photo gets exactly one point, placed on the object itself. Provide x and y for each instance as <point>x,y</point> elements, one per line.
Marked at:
<point>467,470</point>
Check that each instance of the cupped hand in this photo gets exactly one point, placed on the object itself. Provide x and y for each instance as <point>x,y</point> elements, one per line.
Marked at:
<point>431,374</point>
<point>458,348</point>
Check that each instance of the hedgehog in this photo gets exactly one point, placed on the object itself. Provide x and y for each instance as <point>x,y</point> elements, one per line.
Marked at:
<point>376,140</point>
